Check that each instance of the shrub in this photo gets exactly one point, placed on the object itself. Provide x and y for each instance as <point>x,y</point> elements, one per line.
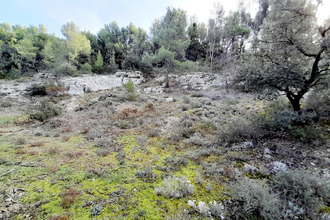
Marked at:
<point>251,199</point>
<point>174,187</point>
<point>43,111</point>
<point>299,125</point>
<point>94,134</point>
<point>123,124</point>
<point>129,87</point>
<point>238,130</point>
<point>320,101</point>
<point>304,191</point>
<point>37,90</point>
<point>69,198</point>
<point>186,65</point>
<point>65,69</point>
<point>142,141</point>
<point>96,210</point>
<point>146,175</point>
<point>175,163</point>
<point>128,112</point>
<point>103,143</point>
<point>184,129</point>
<point>86,68</point>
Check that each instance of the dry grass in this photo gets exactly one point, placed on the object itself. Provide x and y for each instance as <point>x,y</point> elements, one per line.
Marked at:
<point>66,138</point>
<point>37,144</point>
<point>127,111</point>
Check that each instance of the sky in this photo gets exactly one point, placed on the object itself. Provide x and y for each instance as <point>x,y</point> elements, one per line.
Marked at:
<point>91,15</point>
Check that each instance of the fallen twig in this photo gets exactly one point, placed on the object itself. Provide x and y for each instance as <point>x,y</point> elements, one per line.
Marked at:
<point>12,170</point>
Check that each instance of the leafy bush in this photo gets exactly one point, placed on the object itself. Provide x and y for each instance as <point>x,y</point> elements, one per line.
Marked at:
<point>146,175</point>
<point>175,163</point>
<point>38,90</point>
<point>300,125</point>
<point>306,192</point>
<point>86,68</point>
<point>184,129</point>
<point>174,187</point>
<point>96,210</point>
<point>186,65</point>
<point>103,143</point>
<point>43,111</point>
<point>238,130</point>
<point>251,199</point>
<point>129,87</point>
<point>65,69</point>
<point>124,124</point>
<point>319,101</point>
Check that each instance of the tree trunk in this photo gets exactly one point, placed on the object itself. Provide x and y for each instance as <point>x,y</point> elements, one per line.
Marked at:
<point>167,80</point>
<point>295,102</point>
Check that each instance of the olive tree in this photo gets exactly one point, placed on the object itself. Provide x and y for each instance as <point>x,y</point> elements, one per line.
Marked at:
<point>293,51</point>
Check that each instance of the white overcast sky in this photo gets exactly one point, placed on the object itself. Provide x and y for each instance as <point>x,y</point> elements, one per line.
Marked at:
<point>93,14</point>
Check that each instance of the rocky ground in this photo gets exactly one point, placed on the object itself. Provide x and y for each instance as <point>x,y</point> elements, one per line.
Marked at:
<point>170,153</point>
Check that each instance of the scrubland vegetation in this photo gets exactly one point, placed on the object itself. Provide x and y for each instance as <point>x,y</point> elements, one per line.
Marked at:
<point>254,147</point>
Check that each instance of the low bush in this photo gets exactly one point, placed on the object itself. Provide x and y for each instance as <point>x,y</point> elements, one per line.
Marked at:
<point>130,91</point>
<point>175,187</point>
<point>96,210</point>
<point>146,175</point>
<point>43,111</point>
<point>237,130</point>
<point>251,199</point>
<point>303,193</point>
<point>184,129</point>
<point>86,68</point>
<point>175,163</point>
<point>65,69</point>
<point>69,198</point>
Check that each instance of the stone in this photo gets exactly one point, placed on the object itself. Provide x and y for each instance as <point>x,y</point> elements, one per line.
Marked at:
<point>169,99</point>
<point>249,168</point>
<point>244,145</point>
<point>278,166</point>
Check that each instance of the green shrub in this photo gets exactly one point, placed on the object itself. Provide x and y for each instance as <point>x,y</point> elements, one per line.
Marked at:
<point>129,87</point>
<point>43,111</point>
<point>184,129</point>
<point>123,124</point>
<point>174,187</point>
<point>86,68</point>
<point>146,175</point>
<point>251,199</point>
<point>186,65</point>
<point>237,130</point>
<point>303,192</point>
<point>65,69</point>
<point>37,90</point>
<point>96,210</point>
<point>319,101</point>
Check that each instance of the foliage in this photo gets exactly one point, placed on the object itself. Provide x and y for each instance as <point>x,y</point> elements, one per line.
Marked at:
<point>65,69</point>
<point>43,111</point>
<point>129,87</point>
<point>175,187</point>
<point>86,68</point>
<point>301,60</point>
<point>146,175</point>
<point>169,32</point>
<point>98,66</point>
<point>76,42</point>
<point>251,200</point>
<point>306,192</point>
<point>96,210</point>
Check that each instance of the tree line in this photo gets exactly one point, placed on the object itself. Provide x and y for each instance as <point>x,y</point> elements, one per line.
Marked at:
<point>281,49</point>
<point>173,41</point>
